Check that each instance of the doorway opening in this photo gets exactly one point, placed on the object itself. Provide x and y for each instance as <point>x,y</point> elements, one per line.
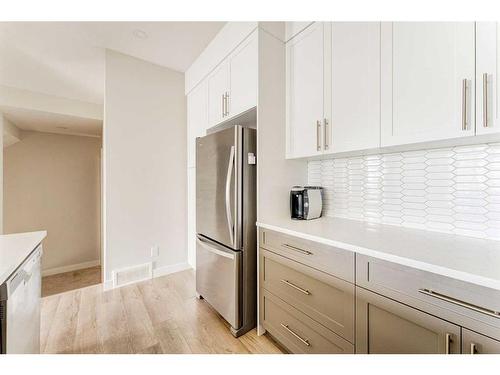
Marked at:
<point>52,182</point>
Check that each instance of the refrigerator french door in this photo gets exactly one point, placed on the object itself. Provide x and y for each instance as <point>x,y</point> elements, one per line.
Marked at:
<point>225,225</point>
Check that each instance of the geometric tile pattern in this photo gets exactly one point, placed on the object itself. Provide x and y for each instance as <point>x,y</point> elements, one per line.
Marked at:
<point>452,190</point>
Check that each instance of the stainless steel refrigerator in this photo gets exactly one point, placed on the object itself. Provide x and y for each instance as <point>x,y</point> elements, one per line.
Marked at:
<point>225,224</point>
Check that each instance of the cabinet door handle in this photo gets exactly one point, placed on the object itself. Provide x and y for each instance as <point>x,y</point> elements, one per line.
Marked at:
<point>304,341</point>
<point>448,343</point>
<point>457,302</point>
<point>325,133</point>
<point>227,103</point>
<point>305,291</point>
<point>465,112</point>
<point>485,100</point>
<point>223,101</point>
<point>302,251</point>
<point>473,349</point>
<point>318,135</point>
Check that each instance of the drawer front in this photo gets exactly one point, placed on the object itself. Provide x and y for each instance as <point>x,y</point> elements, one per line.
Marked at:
<point>475,343</point>
<point>326,299</point>
<point>297,332</point>
<point>336,262</point>
<point>455,300</point>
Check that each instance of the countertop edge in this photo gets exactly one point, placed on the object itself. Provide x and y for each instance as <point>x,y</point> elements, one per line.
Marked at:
<point>423,266</point>
<point>40,236</point>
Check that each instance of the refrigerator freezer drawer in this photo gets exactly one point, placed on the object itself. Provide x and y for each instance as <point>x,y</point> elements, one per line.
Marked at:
<point>218,272</point>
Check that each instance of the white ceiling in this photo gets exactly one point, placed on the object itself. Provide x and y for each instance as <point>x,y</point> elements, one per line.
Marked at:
<point>67,58</point>
<point>28,119</point>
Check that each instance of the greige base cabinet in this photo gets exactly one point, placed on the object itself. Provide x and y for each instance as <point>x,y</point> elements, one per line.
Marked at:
<point>384,326</point>
<point>298,332</point>
<point>475,343</point>
<point>325,298</point>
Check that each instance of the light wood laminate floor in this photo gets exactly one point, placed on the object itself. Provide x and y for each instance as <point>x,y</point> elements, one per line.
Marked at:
<point>62,282</point>
<point>161,315</point>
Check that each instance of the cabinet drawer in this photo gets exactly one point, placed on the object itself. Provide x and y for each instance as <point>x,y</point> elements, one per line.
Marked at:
<point>475,343</point>
<point>455,300</point>
<point>326,299</point>
<point>297,332</point>
<point>336,262</point>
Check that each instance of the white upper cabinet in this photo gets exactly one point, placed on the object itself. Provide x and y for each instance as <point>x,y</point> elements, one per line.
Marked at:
<point>218,90</point>
<point>428,81</point>
<point>487,69</point>
<point>292,28</point>
<point>232,86</point>
<point>354,123</point>
<point>197,119</point>
<point>304,92</point>
<point>243,68</point>
<point>333,89</point>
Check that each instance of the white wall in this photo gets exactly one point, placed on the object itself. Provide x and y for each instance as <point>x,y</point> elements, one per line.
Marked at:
<point>18,98</point>
<point>52,182</point>
<point>145,165</point>
<point>275,174</point>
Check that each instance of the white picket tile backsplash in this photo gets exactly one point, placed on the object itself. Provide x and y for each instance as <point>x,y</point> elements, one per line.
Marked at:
<point>453,190</point>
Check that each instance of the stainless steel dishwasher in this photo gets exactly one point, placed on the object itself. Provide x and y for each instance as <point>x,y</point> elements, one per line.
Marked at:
<point>20,307</point>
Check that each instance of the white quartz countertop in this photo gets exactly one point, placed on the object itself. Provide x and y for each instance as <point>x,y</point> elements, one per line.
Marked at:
<point>15,248</point>
<point>464,258</point>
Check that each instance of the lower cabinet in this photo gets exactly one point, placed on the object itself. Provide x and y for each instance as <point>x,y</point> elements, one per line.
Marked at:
<point>384,326</point>
<point>310,302</point>
<point>325,298</point>
<point>475,343</point>
<point>297,331</point>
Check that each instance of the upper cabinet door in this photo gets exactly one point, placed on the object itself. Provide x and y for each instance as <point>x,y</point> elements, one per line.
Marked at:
<point>243,77</point>
<point>304,92</point>
<point>292,28</point>
<point>197,119</point>
<point>487,69</point>
<point>355,96</point>
<point>428,81</point>
<point>218,88</point>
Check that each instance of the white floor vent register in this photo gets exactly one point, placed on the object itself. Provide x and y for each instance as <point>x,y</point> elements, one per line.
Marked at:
<point>132,275</point>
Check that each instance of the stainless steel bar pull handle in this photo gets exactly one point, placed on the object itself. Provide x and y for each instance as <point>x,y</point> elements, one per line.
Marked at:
<point>229,215</point>
<point>227,103</point>
<point>294,248</point>
<point>318,135</point>
<point>485,100</point>
<point>448,343</point>
<point>457,302</point>
<point>473,349</point>
<point>304,341</point>
<point>296,287</point>
<point>465,112</point>
<point>223,101</point>
<point>325,134</point>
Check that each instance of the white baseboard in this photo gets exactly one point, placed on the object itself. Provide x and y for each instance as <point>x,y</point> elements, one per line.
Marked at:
<point>71,267</point>
<point>157,272</point>
<point>173,268</point>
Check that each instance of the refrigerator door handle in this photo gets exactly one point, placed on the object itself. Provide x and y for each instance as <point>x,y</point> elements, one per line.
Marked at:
<point>207,246</point>
<point>229,175</point>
